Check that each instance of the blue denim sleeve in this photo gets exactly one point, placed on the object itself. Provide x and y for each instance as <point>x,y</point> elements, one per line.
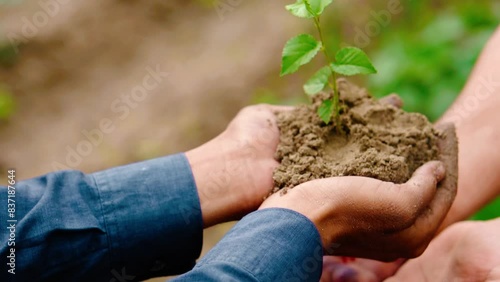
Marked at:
<point>123,224</point>
<point>267,245</point>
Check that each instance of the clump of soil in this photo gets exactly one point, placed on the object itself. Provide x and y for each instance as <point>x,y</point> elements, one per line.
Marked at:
<point>379,140</point>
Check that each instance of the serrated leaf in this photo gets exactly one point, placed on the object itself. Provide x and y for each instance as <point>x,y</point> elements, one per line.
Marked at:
<point>352,61</point>
<point>325,111</point>
<point>298,51</point>
<point>318,81</point>
<point>300,10</point>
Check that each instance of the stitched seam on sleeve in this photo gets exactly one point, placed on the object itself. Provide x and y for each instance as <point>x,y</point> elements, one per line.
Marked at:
<point>108,239</point>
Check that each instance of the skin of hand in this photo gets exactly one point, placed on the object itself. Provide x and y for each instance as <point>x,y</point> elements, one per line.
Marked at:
<point>478,131</point>
<point>365,217</point>
<point>466,251</point>
<point>233,172</point>
<point>478,135</point>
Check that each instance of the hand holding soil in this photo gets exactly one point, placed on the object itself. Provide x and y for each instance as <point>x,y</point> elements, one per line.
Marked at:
<point>233,172</point>
<point>365,217</point>
<point>379,140</point>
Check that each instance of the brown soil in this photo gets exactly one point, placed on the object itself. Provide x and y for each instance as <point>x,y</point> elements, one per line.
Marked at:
<point>379,140</point>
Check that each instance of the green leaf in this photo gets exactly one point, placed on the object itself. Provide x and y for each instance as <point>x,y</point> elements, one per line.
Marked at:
<point>325,111</point>
<point>318,81</point>
<point>298,51</point>
<point>300,9</point>
<point>352,61</point>
<point>318,6</point>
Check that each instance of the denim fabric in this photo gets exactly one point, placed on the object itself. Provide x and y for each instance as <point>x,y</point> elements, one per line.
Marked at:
<point>266,245</point>
<point>122,224</point>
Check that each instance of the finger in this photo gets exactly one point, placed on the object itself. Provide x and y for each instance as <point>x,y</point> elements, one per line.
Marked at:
<point>423,184</point>
<point>392,99</point>
<point>448,147</point>
<point>263,108</point>
<point>280,108</point>
<point>366,269</point>
<point>434,215</point>
<point>334,271</point>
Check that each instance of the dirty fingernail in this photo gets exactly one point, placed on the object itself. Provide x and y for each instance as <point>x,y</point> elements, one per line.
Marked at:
<point>440,171</point>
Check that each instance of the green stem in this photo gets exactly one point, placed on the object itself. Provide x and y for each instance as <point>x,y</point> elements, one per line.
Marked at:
<point>333,83</point>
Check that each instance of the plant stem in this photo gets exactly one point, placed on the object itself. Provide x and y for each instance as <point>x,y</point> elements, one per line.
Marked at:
<point>333,83</point>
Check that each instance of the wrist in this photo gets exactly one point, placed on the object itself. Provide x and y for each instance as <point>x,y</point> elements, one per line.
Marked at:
<point>218,168</point>
<point>316,210</point>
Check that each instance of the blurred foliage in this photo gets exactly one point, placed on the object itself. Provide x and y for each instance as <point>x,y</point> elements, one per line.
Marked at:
<point>7,105</point>
<point>8,57</point>
<point>8,54</point>
<point>427,61</point>
<point>489,212</point>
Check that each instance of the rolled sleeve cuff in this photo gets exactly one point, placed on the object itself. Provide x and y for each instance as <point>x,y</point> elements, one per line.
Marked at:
<point>153,216</point>
<point>267,245</point>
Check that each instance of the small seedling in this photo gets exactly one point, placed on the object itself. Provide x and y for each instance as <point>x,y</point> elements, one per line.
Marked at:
<point>302,49</point>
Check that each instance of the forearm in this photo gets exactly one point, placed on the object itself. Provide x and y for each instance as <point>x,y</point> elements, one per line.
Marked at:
<point>140,220</point>
<point>476,115</point>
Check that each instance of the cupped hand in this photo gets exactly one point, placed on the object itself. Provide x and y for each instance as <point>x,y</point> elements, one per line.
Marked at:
<point>233,172</point>
<point>369,218</point>
<point>466,251</point>
<point>365,270</point>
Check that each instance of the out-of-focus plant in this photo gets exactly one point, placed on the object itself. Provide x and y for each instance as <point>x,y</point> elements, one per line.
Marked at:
<point>7,104</point>
<point>428,60</point>
<point>8,55</point>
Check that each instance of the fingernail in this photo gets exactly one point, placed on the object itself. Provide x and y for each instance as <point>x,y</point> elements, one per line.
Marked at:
<point>440,171</point>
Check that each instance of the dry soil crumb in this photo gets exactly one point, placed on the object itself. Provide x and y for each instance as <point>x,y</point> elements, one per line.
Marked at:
<point>380,141</point>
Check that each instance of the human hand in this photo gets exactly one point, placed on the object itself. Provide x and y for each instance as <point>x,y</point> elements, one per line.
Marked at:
<point>466,251</point>
<point>233,172</point>
<point>364,270</point>
<point>337,269</point>
<point>369,218</point>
